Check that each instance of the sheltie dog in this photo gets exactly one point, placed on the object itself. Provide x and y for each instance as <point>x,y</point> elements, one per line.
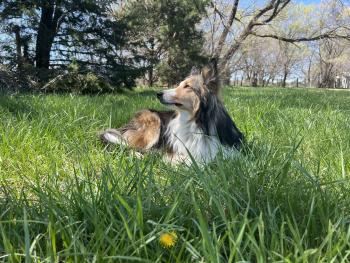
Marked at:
<point>197,128</point>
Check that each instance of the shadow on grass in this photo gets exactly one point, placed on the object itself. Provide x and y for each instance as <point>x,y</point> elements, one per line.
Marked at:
<point>17,105</point>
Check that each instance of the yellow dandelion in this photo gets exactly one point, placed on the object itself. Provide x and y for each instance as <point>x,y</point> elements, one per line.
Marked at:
<point>168,240</point>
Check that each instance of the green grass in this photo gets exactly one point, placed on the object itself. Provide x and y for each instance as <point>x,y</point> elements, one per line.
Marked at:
<point>65,198</point>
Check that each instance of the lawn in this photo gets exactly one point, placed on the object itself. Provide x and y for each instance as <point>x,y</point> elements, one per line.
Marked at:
<point>66,198</point>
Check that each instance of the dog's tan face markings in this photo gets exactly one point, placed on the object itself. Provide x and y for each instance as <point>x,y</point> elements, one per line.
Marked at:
<point>187,93</point>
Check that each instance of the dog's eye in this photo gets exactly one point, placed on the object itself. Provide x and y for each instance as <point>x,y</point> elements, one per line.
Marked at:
<point>187,87</point>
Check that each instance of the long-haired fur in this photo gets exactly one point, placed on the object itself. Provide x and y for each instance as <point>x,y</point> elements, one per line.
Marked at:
<point>197,127</point>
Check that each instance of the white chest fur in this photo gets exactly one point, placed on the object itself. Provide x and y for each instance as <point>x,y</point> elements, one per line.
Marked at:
<point>186,137</point>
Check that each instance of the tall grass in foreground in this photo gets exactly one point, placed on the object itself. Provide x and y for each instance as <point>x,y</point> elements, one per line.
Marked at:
<point>64,197</point>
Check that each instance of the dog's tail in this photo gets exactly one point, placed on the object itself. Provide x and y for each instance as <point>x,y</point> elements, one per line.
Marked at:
<point>111,136</point>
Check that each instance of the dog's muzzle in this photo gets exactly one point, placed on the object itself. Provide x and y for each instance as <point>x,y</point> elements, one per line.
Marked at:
<point>166,98</point>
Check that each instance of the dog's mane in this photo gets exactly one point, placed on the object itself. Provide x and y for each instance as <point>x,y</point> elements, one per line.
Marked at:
<point>213,119</point>
<point>211,116</point>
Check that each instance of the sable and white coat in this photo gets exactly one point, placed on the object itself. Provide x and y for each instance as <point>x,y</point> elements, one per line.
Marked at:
<point>198,127</point>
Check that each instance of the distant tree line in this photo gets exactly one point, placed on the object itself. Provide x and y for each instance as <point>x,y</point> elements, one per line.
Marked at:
<point>102,45</point>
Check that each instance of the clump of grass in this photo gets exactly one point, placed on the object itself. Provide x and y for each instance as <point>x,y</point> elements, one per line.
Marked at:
<point>66,198</point>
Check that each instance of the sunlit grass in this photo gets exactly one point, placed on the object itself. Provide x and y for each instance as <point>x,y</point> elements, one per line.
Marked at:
<point>64,197</point>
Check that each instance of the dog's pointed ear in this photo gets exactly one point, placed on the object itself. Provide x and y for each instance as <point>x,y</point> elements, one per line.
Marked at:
<point>194,71</point>
<point>210,76</point>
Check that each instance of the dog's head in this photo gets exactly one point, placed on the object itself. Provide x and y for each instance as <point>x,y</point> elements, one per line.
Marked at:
<point>188,95</point>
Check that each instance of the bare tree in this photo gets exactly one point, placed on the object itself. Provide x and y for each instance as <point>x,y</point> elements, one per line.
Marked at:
<point>260,61</point>
<point>329,51</point>
<point>290,56</point>
<point>261,18</point>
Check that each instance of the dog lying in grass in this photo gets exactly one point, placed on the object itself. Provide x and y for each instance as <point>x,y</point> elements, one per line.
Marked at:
<point>197,128</point>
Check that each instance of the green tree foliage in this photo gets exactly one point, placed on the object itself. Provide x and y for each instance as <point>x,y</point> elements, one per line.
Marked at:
<point>166,36</point>
<point>51,34</point>
<point>119,41</point>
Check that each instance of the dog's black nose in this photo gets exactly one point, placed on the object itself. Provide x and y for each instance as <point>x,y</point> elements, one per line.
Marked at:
<point>159,94</point>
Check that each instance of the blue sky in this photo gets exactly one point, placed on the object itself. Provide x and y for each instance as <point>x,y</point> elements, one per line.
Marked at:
<point>308,1</point>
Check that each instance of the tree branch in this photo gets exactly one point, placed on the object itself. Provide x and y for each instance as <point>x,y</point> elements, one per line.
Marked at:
<point>276,5</point>
<point>304,39</point>
<point>277,10</point>
<point>227,27</point>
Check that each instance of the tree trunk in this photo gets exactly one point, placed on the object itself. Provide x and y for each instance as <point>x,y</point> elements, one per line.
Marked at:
<point>17,31</point>
<point>150,76</point>
<point>284,80</point>
<point>47,31</point>
<point>327,79</point>
<point>254,80</point>
<point>285,75</point>
<point>309,74</point>
<point>26,52</point>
